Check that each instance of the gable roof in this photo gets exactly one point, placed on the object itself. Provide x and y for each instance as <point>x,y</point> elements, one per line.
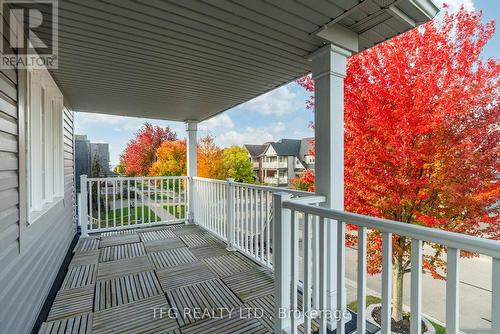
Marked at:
<point>287,147</point>
<point>255,150</point>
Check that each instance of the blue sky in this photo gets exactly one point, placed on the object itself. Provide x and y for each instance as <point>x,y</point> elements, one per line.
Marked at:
<point>278,114</point>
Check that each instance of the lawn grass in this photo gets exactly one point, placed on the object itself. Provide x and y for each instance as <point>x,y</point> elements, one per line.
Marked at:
<point>353,306</point>
<point>116,215</point>
<point>176,210</point>
<point>439,329</point>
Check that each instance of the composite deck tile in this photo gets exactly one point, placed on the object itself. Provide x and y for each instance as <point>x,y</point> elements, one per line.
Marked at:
<point>71,302</point>
<point>199,239</point>
<point>119,240</point>
<point>119,252</point>
<point>86,244</point>
<point>156,235</point>
<point>252,284</point>
<point>205,251</point>
<point>187,274</point>
<point>163,244</point>
<point>119,232</point>
<point>83,258</point>
<point>142,316</point>
<point>78,276</point>
<point>265,305</point>
<point>126,289</point>
<point>192,301</point>
<point>172,257</point>
<point>80,324</point>
<point>112,269</point>
<point>231,264</point>
<point>227,325</point>
<point>185,229</point>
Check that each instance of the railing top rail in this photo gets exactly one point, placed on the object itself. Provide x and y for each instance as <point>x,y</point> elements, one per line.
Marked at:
<point>446,238</point>
<point>299,193</point>
<point>111,178</point>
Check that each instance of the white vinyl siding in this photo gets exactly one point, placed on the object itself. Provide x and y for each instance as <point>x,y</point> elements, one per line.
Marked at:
<point>45,148</point>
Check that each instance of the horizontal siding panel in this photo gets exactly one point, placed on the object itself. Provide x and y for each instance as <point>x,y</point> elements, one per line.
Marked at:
<point>8,161</point>
<point>8,198</point>
<point>8,124</point>
<point>8,217</point>
<point>8,180</point>
<point>8,106</point>
<point>10,72</point>
<point>8,87</point>
<point>8,237</point>
<point>8,143</point>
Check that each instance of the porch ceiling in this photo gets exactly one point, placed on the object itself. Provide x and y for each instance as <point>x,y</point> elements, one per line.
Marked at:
<point>189,60</point>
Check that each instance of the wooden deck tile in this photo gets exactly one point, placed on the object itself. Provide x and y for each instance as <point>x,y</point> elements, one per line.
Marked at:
<point>78,276</point>
<point>163,244</point>
<point>86,244</point>
<point>119,232</point>
<point>172,257</point>
<point>119,252</point>
<point>211,250</point>
<point>229,264</point>
<point>211,296</point>
<point>199,239</point>
<point>80,324</point>
<point>136,317</point>
<point>252,284</point>
<point>71,302</point>
<point>185,229</point>
<point>266,304</point>
<point>112,269</point>
<point>187,274</point>
<point>83,258</point>
<point>119,240</point>
<point>226,325</point>
<point>156,235</point>
<point>126,289</point>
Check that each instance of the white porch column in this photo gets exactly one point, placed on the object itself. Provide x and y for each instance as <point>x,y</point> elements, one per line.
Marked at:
<point>192,142</point>
<point>329,71</point>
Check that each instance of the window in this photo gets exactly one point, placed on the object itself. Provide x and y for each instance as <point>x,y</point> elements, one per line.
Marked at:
<point>44,154</point>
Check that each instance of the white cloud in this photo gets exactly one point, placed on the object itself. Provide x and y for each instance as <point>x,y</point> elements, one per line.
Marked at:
<point>278,127</point>
<point>454,5</point>
<point>278,102</point>
<point>221,121</point>
<point>248,136</point>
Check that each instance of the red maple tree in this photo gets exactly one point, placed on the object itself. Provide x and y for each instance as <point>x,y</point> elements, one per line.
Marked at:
<point>140,152</point>
<point>422,137</point>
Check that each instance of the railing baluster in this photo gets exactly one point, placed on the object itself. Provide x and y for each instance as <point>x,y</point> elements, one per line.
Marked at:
<point>268,234</point>
<point>315,261</point>
<point>135,201</point>
<point>246,219</point>
<point>121,200</point>
<point>386,282</point>
<point>341,276</point>
<point>90,207</point>
<point>495,296</point>
<point>323,274</point>
<point>262,217</point>
<point>99,204</point>
<point>114,183</point>
<point>361,293</point>
<point>306,304</point>
<point>256,234</point>
<point>106,203</point>
<point>416,287</point>
<point>452,290</point>
<point>294,255</point>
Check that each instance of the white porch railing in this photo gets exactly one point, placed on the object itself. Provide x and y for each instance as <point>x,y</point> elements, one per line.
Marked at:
<point>124,202</point>
<point>248,208</point>
<point>317,220</point>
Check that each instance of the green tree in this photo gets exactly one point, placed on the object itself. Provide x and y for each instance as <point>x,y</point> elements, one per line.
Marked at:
<point>235,164</point>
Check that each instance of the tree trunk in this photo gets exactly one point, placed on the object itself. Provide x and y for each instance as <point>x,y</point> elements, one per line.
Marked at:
<point>397,290</point>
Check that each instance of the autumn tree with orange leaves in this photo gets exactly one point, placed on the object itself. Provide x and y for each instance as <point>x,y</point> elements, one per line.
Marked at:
<point>209,158</point>
<point>140,152</point>
<point>422,138</point>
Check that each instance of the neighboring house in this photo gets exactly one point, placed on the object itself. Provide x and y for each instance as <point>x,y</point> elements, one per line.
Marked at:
<point>276,163</point>
<point>88,156</point>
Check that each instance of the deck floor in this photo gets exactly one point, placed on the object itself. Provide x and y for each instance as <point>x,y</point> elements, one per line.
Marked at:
<point>175,279</point>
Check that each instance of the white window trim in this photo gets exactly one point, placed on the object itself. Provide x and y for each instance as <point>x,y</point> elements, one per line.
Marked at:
<point>44,144</point>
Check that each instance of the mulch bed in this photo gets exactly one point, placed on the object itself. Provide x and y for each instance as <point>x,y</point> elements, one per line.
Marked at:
<point>402,326</point>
